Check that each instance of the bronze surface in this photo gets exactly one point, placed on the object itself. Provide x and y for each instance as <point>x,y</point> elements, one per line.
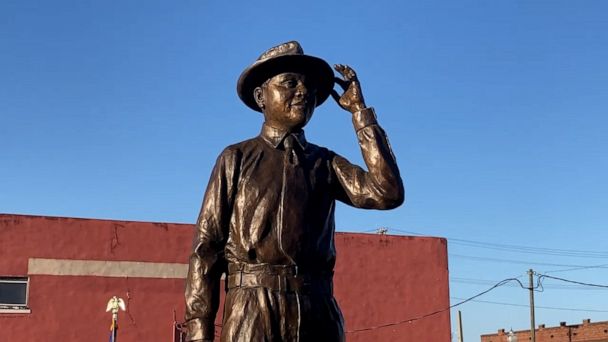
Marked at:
<point>267,218</point>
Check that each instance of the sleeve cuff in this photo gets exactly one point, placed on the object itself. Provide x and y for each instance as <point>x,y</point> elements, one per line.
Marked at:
<point>363,118</point>
<point>199,329</point>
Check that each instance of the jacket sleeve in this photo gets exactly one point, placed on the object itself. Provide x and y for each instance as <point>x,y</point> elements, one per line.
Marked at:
<point>378,188</point>
<point>207,261</point>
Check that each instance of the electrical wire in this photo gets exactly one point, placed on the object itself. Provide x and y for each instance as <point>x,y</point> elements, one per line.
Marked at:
<point>413,319</point>
<point>474,281</point>
<point>477,281</point>
<point>473,299</point>
<point>572,281</point>
<point>523,262</point>
<point>578,268</point>
<point>536,306</point>
<point>518,248</point>
<point>532,250</point>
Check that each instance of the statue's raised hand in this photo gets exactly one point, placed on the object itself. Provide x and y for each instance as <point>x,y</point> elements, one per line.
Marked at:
<point>352,98</point>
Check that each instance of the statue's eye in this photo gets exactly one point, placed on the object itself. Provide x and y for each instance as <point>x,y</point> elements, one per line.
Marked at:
<point>290,83</point>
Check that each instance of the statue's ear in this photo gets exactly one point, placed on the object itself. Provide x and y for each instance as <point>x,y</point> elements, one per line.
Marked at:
<point>258,95</point>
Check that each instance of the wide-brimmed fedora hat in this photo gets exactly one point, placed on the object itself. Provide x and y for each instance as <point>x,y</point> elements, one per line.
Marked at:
<point>287,57</point>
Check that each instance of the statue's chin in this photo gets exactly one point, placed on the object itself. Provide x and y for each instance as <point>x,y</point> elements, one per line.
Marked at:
<point>299,117</point>
<point>292,120</point>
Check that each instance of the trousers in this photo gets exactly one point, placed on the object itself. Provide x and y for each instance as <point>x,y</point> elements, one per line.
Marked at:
<point>276,304</point>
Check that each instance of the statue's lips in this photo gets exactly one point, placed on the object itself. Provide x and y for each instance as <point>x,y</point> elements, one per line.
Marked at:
<point>299,104</point>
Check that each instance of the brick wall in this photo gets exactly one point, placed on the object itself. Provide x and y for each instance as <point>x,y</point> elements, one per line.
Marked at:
<point>75,265</point>
<point>586,332</point>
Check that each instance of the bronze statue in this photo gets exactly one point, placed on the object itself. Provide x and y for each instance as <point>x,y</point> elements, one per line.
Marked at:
<point>267,219</point>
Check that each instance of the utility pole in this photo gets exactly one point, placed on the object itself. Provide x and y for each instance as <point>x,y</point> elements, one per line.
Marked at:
<point>532,323</point>
<point>460,337</point>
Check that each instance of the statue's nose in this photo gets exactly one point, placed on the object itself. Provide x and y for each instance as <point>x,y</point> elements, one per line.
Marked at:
<point>301,90</point>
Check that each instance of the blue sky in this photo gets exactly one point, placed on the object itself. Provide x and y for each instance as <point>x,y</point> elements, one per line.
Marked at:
<point>496,111</point>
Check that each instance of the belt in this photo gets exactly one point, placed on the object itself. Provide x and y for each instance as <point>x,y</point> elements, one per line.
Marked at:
<point>278,278</point>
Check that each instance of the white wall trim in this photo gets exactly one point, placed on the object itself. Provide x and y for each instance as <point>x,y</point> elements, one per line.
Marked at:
<point>15,311</point>
<point>106,268</point>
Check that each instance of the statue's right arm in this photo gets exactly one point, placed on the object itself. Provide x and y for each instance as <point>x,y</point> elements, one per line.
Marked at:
<point>207,261</point>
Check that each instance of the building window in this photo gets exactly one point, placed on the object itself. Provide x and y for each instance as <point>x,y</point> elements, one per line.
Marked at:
<point>13,294</point>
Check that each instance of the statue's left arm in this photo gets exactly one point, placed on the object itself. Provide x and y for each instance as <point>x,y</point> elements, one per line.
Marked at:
<point>381,186</point>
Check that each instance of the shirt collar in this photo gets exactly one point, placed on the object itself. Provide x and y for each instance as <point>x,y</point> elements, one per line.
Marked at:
<point>275,136</point>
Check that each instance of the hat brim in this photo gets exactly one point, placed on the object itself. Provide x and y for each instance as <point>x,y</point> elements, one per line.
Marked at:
<point>314,68</point>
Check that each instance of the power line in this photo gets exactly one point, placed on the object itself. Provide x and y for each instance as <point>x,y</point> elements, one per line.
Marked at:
<point>521,262</point>
<point>473,299</point>
<point>578,268</point>
<point>477,281</point>
<point>489,282</point>
<point>413,319</point>
<point>410,320</point>
<point>520,248</point>
<point>540,276</point>
<point>524,262</point>
<point>531,250</point>
<point>538,307</point>
<point>496,285</point>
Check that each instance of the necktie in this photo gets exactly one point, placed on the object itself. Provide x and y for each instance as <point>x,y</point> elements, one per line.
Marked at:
<point>294,201</point>
<point>291,157</point>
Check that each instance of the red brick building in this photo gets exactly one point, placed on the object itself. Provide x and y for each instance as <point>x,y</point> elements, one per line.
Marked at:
<point>585,332</point>
<point>57,274</point>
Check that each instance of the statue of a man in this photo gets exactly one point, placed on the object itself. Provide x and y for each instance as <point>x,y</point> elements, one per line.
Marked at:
<point>267,219</point>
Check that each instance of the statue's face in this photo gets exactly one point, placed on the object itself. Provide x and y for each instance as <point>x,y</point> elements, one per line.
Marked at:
<point>288,100</point>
